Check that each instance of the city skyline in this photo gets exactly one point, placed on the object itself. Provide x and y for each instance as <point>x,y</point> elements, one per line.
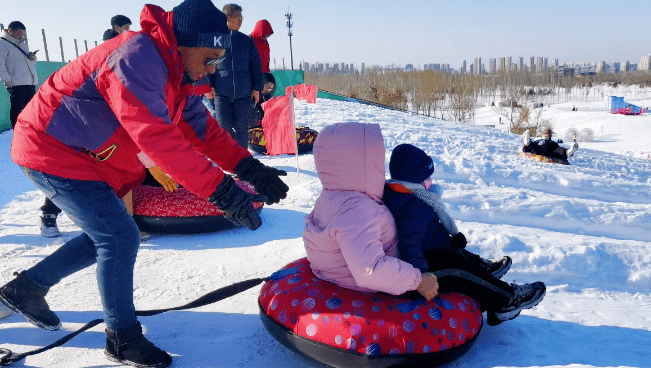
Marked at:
<point>491,66</point>
<point>383,32</point>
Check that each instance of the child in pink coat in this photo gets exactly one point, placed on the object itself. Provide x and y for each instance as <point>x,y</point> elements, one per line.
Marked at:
<point>350,236</point>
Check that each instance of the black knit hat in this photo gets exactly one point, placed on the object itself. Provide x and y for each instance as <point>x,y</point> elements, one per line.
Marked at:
<point>198,23</point>
<point>410,163</point>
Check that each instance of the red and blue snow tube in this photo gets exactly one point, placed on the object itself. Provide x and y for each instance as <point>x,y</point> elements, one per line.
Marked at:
<point>346,328</point>
<point>180,212</point>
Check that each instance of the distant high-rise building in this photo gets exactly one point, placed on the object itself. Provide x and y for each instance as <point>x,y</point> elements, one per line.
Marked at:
<point>507,64</point>
<point>540,64</point>
<point>554,64</point>
<point>615,68</point>
<point>492,65</point>
<point>645,63</point>
<point>501,64</point>
<point>601,67</point>
<point>306,66</point>
<point>532,68</point>
<point>624,66</point>
<point>462,69</point>
<point>519,64</point>
<point>477,66</point>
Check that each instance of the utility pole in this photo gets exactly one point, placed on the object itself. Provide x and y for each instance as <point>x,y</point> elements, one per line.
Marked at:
<point>289,33</point>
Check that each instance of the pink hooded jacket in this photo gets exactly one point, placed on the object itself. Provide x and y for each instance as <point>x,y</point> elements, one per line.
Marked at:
<point>350,236</point>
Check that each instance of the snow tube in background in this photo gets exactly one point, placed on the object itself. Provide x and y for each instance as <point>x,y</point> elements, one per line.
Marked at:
<point>540,158</point>
<point>346,328</point>
<point>180,212</point>
<point>304,139</point>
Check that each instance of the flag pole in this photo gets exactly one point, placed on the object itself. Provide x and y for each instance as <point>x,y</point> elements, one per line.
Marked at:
<point>291,111</point>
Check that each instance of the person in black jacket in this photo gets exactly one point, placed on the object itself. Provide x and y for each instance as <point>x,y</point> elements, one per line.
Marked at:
<point>237,80</point>
<point>546,146</point>
<point>119,24</point>
<point>257,113</point>
<point>429,240</point>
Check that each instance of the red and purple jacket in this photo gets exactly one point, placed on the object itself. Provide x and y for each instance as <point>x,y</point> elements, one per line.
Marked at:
<point>90,119</point>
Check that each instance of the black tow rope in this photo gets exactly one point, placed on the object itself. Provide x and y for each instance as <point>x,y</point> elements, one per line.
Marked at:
<point>7,357</point>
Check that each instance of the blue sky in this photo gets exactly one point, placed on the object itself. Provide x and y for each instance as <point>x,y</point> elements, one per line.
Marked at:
<point>382,32</point>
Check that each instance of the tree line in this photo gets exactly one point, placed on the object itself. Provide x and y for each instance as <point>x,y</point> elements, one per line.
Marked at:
<point>456,97</point>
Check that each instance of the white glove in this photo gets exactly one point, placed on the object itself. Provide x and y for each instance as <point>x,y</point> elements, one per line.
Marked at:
<point>526,138</point>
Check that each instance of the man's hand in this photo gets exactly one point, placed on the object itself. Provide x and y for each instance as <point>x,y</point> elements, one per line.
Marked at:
<point>8,85</point>
<point>256,96</point>
<point>236,204</point>
<point>210,95</point>
<point>265,179</point>
<point>168,183</point>
<point>429,286</point>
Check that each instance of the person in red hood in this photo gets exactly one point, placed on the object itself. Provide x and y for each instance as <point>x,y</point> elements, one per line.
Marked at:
<point>78,141</point>
<point>260,33</point>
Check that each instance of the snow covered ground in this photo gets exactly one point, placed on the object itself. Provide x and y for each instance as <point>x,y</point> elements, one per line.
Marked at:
<point>583,229</point>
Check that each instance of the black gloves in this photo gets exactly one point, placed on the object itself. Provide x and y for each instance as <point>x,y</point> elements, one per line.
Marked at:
<point>236,204</point>
<point>459,241</point>
<point>265,179</point>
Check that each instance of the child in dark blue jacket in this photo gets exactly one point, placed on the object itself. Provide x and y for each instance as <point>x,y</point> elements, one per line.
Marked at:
<point>423,224</point>
<point>430,241</point>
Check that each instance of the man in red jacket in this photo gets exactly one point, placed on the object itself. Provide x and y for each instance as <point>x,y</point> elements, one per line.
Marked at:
<point>78,141</point>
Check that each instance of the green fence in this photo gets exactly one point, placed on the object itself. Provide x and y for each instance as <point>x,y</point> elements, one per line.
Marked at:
<point>286,78</point>
<point>44,69</point>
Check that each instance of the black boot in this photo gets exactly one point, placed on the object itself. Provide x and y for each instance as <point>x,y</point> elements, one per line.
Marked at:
<point>28,299</point>
<point>130,347</point>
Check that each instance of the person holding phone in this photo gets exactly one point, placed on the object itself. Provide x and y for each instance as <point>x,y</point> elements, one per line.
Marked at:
<point>17,68</point>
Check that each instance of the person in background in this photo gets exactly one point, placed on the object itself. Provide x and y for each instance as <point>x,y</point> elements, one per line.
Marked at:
<point>119,24</point>
<point>546,146</point>
<point>18,73</point>
<point>133,94</point>
<point>424,240</point>
<point>261,32</point>
<point>237,80</point>
<point>257,113</point>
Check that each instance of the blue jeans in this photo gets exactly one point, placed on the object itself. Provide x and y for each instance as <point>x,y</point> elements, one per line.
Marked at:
<point>233,115</point>
<point>110,238</point>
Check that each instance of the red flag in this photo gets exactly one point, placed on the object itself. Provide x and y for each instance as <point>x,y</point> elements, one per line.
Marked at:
<point>305,92</point>
<point>310,94</point>
<point>299,91</point>
<point>288,90</point>
<point>278,125</point>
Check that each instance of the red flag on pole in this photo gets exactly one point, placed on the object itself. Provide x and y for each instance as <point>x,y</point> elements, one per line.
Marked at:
<point>310,94</point>
<point>278,125</point>
<point>305,93</point>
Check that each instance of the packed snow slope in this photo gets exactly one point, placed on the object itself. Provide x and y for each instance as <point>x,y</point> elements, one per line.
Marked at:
<point>583,229</point>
